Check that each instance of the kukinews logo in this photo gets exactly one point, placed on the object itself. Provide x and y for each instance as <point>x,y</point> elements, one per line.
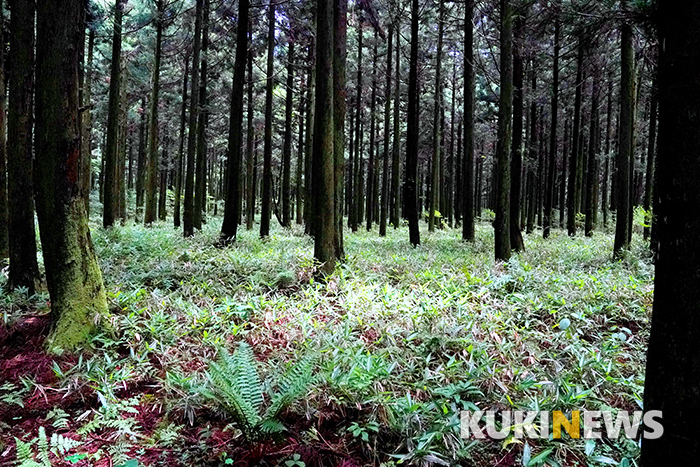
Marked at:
<point>587,424</point>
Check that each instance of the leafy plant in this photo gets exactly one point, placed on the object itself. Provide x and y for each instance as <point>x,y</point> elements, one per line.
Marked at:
<point>58,445</point>
<point>235,385</point>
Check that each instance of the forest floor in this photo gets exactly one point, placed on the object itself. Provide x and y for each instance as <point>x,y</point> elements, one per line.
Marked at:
<point>404,338</point>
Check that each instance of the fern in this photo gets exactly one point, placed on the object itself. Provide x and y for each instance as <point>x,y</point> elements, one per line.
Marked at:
<point>43,455</point>
<point>60,444</point>
<point>235,385</point>
<point>57,444</point>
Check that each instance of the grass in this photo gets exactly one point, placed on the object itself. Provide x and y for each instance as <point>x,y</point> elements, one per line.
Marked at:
<point>405,338</point>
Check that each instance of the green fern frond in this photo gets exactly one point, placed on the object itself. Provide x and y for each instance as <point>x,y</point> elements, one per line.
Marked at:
<point>43,448</point>
<point>60,445</point>
<point>292,386</point>
<point>24,451</point>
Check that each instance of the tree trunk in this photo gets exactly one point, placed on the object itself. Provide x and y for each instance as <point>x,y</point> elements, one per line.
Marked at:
<point>287,152</point>
<point>152,164</point>
<point>78,300</point>
<point>200,188</point>
<point>549,196</point>
<point>672,377</point>
<point>111,194</point>
<point>468,170</point>
<point>622,188</point>
<point>180,154</point>
<point>372,139</point>
<point>435,184</point>
<point>267,155</point>
<point>250,143</point>
<point>86,128</point>
<point>651,157</point>
<point>387,117</point>
<point>340,29</point>
<point>4,215</point>
<point>592,170</point>
<point>229,227</point>
<point>23,263</point>
<point>396,144</point>
<point>324,140</point>
<point>412,136</point>
<point>505,122</point>
<point>516,237</point>
<point>572,208</point>
<point>188,218</point>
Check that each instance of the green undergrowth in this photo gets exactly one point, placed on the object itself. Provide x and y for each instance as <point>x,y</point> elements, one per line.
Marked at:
<point>403,339</point>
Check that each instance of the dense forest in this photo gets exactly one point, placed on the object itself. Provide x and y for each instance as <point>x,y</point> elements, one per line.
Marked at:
<point>327,233</point>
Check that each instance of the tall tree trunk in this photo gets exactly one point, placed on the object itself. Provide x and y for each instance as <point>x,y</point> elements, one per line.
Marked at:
<point>310,110</point>
<point>651,156</point>
<point>606,170</point>
<point>121,138</point>
<point>152,165</point>
<point>468,170</point>
<point>23,263</point>
<point>516,237</point>
<point>324,140</point>
<point>672,377</point>
<point>435,184</point>
<point>356,199</point>
<point>572,208</point>
<point>86,128</point>
<point>111,193</point>
<point>141,158</point>
<point>549,196</point>
<point>505,122</point>
<point>4,219</point>
<point>592,171</point>
<point>396,144</point>
<point>78,300</point>
<point>200,188</point>
<point>340,13</point>
<point>387,118</point>
<point>622,188</point>
<point>372,138</point>
<point>299,190</point>
<point>562,186</point>
<point>267,156</point>
<point>412,135</point>
<point>188,218</point>
<point>250,143</point>
<point>287,152</point>
<point>229,227</point>
<point>180,154</point>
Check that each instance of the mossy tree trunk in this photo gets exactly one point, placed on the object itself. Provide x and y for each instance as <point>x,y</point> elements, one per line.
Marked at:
<point>23,263</point>
<point>78,300</point>
<point>672,383</point>
<point>229,227</point>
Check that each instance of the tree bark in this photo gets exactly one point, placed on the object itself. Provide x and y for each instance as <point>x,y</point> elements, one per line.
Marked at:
<point>22,236</point>
<point>188,218</point>
<point>111,193</point>
<point>229,227</point>
<point>200,188</point>
<point>180,154</point>
<point>86,128</point>
<point>152,164</point>
<point>436,186</point>
<point>572,208</point>
<point>412,136</point>
<point>78,300</point>
<point>516,237</point>
<point>468,162</point>
<point>672,373</point>
<point>4,214</point>
<point>387,118</point>
<point>287,150</point>
<point>622,188</point>
<point>340,28</point>
<point>267,154</point>
<point>324,140</point>
<point>651,157</point>
<point>549,196</point>
<point>505,127</point>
